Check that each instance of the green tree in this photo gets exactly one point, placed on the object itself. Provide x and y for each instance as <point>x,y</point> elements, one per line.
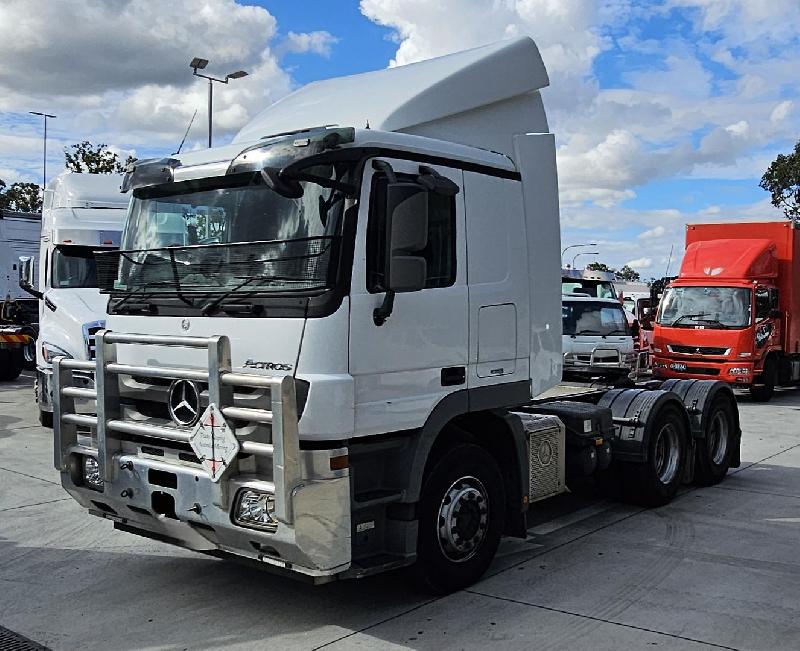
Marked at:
<point>629,274</point>
<point>22,197</point>
<point>599,266</point>
<point>94,159</point>
<point>782,181</point>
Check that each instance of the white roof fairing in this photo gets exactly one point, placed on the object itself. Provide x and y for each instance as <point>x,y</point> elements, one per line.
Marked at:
<point>480,97</point>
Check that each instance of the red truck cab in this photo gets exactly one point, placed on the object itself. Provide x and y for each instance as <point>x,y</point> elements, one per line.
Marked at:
<point>732,314</point>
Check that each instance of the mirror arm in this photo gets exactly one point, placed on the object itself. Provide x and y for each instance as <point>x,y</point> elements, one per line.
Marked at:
<point>380,314</point>
<point>383,166</point>
<point>33,292</point>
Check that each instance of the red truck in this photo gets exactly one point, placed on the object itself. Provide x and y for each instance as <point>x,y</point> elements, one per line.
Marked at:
<point>733,313</point>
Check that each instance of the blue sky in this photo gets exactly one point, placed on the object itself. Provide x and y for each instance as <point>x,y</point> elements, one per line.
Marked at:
<point>665,112</point>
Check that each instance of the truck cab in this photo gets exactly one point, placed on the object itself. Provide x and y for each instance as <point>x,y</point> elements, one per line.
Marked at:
<point>730,313</point>
<point>82,213</point>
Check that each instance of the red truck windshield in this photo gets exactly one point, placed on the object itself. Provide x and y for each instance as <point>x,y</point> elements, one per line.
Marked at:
<point>710,307</point>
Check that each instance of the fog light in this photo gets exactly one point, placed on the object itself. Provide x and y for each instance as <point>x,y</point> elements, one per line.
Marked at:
<point>255,509</point>
<point>739,370</point>
<point>91,474</point>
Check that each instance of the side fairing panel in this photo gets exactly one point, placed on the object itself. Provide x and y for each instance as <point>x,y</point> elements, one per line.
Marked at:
<point>536,158</point>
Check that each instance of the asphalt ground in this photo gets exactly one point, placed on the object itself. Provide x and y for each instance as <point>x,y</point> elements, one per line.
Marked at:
<point>717,568</point>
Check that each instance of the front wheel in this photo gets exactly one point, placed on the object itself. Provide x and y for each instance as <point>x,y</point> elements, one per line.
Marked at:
<point>655,482</point>
<point>46,418</point>
<point>769,378</point>
<point>461,519</point>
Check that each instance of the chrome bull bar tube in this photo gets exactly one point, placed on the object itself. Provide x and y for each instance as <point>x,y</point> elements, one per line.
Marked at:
<point>108,424</point>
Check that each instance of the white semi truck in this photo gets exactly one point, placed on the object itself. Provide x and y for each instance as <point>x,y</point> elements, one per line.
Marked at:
<point>340,363</point>
<point>82,213</point>
<point>19,234</point>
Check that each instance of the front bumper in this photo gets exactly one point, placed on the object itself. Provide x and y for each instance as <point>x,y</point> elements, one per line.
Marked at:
<point>600,362</point>
<point>154,485</point>
<point>732,372</point>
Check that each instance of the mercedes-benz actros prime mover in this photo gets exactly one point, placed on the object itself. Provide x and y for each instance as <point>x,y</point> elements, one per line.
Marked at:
<point>330,344</point>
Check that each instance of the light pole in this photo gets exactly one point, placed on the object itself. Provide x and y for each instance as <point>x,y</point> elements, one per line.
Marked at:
<point>199,64</point>
<point>44,158</point>
<point>578,255</point>
<point>574,246</point>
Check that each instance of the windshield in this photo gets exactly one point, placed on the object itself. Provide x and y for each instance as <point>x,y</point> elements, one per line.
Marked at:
<point>593,318</point>
<point>595,288</point>
<point>709,307</point>
<point>73,266</point>
<point>229,234</point>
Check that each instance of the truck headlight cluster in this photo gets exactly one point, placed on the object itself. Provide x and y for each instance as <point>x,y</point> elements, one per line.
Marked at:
<point>91,473</point>
<point>739,370</point>
<point>255,509</point>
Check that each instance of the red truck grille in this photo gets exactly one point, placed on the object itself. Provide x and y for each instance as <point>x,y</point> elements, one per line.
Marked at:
<point>699,350</point>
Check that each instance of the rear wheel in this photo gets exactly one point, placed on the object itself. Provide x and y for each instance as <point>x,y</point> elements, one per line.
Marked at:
<point>766,387</point>
<point>45,418</point>
<point>461,519</point>
<point>11,363</point>
<point>655,482</point>
<point>715,451</point>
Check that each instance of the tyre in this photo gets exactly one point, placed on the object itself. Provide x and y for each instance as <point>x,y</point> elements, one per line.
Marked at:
<point>769,378</point>
<point>29,354</point>
<point>45,418</point>
<point>715,451</point>
<point>461,519</point>
<point>11,363</point>
<point>655,482</point>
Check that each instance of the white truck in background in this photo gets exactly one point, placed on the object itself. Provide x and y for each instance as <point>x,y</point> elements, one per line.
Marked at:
<point>19,237</point>
<point>344,361</point>
<point>82,213</point>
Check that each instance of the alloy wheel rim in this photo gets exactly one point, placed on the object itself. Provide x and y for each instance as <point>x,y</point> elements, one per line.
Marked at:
<point>463,519</point>
<point>666,453</point>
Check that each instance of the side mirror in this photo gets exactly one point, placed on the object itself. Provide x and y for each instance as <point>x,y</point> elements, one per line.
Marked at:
<point>286,187</point>
<point>26,276</point>
<point>406,214</point>
<point>407,235</point>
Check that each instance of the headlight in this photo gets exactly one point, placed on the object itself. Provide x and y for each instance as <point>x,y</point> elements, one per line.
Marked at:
<point>49,351</point>
<point>91,473</point>
<point>739,370</point>
<point>255,509</point>
<point>656,350</point>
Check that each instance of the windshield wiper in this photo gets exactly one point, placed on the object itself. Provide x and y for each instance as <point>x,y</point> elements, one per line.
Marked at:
<point>212,306</point>
<point>717,321</point>
<point>587,332</point>
<point>687,316</point>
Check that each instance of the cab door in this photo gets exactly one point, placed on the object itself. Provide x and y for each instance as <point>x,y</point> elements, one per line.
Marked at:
<point>403,367</point>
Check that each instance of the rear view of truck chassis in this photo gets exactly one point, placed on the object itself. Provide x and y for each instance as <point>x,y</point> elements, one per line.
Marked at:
<point>358,507</point>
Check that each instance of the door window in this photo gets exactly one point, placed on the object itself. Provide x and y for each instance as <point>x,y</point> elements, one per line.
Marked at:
<point>440,253</point>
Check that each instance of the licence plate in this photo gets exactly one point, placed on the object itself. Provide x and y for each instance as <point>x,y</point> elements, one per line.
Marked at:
<point>677,366</point>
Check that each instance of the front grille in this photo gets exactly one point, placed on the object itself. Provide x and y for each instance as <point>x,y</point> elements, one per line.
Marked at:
<point>699,350</point>
<point>89,332</point>
<point>699,370</point>
<point>546,454</point>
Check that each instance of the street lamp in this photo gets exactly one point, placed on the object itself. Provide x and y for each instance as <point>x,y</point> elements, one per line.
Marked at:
<point>199,64</point>
<point>578,255</point>
<point>573,246</point>
<point>44,158</point>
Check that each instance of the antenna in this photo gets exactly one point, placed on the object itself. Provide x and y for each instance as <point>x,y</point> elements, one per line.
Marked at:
<point>185,134</point>
<point>669,261</point>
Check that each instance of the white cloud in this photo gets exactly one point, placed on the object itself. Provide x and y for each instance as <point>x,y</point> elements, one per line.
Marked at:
<point>652,233</point>
<point>118,72</point>
<point>640,263</point>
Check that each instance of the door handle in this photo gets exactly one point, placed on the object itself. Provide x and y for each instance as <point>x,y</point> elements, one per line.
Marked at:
<point>453,376</point>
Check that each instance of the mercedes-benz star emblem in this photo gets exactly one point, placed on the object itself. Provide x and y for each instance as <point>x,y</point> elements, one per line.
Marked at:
<point>185,324</point>
<point>183,402</point>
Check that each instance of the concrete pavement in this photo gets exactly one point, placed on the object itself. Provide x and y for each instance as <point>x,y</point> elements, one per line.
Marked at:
<point>717,568</point>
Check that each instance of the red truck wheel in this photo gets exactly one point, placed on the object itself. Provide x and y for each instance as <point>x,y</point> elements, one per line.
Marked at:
<point>766,387</point>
